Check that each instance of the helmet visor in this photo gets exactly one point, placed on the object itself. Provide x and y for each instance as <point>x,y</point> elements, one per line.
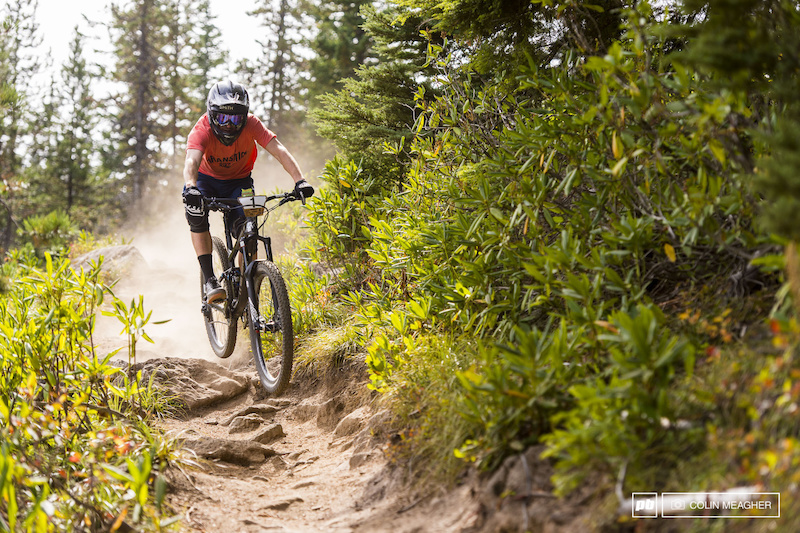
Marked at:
<point>234,121</point>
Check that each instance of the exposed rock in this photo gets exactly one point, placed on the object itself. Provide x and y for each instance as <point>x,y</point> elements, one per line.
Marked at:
<point>280,505</point>
<point>359,459</point>
<point>239,452</point>
<point>267,435</point>
<point>352,423</point>
<point>330,413</point>
<point>306,410</point>
<point>243,424</point>
<point>194,382</point>
<point>117,260</point>
<point>279,463</point>
<point>261,409</point>
<point>518,497</point>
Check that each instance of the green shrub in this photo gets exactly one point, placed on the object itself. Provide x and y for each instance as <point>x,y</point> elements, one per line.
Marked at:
<point>49,233</point>
<point>76,453</point>
<point>553,218</point>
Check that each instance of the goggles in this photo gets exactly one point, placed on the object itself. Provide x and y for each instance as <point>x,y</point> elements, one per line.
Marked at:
<point>221,119</point>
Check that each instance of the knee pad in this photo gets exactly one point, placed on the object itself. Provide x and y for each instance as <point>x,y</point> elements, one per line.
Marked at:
<point>198,223</point>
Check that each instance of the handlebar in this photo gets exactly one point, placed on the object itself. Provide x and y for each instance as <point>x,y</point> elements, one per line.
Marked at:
<point>229,204</point>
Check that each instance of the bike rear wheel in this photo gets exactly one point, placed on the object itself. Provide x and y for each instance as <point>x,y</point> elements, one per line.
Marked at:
<point>220,324</point>
<point>271,333</point>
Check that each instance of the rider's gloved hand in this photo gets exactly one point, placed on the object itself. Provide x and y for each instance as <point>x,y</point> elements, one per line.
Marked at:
<point>193,200</point>
<point>302,187</point>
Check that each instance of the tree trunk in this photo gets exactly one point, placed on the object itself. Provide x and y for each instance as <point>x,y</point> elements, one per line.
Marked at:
<point>278,66</point>
<point>141,107</point>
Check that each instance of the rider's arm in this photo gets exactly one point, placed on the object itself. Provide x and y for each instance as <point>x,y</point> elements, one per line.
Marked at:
<point>279,152</point>
<point>191,166</point>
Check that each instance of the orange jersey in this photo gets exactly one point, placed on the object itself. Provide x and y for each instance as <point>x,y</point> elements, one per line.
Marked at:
<point>228,162</point>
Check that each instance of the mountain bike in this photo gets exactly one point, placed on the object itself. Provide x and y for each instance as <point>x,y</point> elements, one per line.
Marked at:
<point>256,292</point>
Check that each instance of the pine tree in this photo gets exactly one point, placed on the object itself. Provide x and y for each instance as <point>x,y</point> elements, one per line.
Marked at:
<point>19,39</point>
<point>207,54</point>
<point>190,57</point>
<point>497,36</point>
<point>75,145</point>
<point>273,79</point>
<point>140,34</point>
<point>176,98</point>
<point>377,105</point>
<point>8,98</point>
<point>18,64</point>
<point>340,45</point>
<point>753,46</point>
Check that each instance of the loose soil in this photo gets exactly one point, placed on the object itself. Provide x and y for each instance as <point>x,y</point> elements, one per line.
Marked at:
<point>328,471</point>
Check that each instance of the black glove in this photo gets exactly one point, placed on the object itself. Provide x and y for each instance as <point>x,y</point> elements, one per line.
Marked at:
<point>303,188</point>
<point>193,200</point>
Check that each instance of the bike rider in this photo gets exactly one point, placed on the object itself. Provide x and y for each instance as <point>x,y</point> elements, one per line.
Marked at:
<point>220,154</point>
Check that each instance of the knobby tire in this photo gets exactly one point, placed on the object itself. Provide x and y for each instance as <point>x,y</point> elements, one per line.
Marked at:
<point>273,350</point>
<point>221,326</point>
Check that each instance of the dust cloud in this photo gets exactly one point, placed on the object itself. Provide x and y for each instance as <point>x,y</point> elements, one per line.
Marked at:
<point>169,283</point>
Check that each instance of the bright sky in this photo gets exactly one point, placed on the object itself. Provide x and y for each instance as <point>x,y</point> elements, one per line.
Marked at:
<point>57,20</point>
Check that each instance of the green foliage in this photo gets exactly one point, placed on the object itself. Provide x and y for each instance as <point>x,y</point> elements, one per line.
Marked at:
<point>513,391</point>
<point>372,108</point>
<point>70,459</point>
<point>339,214</point>
<point>340,45</point>
<point>425,395</point>
<point>624,415</point>
<point>48,234</point>
<point>133,319</point>
<point>556,219</point>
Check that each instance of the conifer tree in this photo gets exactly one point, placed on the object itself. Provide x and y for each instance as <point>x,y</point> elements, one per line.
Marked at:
<point>192,53</point>
<point>753,46</point>
<point>273,78</point>
<point>207,54</point>
<point>140,34</point>
<point>8,98</point>
<point>340,45</point>
<point>19,37</point>
<point>176,73</point>
<point>78,119</point>
<point>376,105</point>
<point>63,172</point>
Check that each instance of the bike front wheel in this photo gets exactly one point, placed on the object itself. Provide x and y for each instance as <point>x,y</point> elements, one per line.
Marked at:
<point>220,323</point>
<point>271,333</point>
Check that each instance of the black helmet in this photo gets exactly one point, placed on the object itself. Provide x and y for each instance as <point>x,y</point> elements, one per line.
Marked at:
<point>228,105</point>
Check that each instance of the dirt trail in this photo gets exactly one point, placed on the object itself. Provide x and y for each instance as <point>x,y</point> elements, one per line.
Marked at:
<point>314,482</point>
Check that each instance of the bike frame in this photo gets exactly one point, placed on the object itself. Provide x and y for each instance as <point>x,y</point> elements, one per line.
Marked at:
<point>247,234</point>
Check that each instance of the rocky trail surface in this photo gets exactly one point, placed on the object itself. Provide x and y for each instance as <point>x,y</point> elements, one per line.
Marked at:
<point>310,460</point>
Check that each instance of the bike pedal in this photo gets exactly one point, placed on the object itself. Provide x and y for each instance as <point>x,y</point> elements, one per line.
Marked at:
<point>263,325</point>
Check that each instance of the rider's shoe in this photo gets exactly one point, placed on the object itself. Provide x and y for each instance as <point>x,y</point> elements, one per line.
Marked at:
<point>214,292</point>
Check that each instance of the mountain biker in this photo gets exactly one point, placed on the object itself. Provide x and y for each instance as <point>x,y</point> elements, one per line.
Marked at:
<point>220,154</point>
